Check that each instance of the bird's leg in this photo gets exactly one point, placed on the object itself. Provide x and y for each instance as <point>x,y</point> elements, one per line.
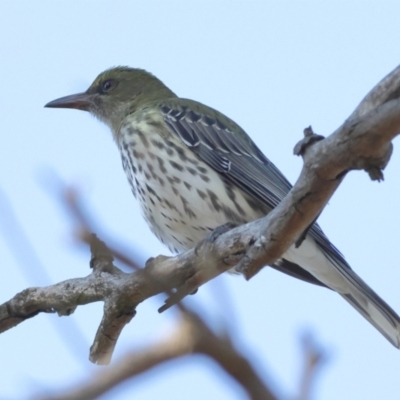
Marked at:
<point>203,275</point>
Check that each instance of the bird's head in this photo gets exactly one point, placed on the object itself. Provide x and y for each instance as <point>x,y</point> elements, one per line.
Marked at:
<point>116,93</point>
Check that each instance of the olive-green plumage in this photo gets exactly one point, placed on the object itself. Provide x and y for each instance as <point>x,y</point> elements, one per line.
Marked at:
<point>193,169</point>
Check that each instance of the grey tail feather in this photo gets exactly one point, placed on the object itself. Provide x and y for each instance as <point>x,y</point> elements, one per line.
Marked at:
<point>373,308</point>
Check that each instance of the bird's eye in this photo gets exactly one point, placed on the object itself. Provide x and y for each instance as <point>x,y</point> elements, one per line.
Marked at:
<point>108,85</point>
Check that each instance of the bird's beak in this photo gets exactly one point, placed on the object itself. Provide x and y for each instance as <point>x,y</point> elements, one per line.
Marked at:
<point>79,101</point>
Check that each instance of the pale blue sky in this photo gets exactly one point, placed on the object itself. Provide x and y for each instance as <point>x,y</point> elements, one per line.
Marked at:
<point>275,68</point>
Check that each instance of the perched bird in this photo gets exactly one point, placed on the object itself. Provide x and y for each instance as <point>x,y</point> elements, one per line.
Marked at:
<point>193,169</point>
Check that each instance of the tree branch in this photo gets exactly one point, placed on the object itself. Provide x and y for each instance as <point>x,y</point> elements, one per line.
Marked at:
<point>362,142</point>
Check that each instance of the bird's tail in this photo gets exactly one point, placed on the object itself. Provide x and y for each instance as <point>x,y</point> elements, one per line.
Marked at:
<point>327,265</point>
<point>372,307</point>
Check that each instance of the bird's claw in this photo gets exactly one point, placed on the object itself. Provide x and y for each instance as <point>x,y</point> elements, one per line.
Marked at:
<point>189,287</point>
<point>213,236</point>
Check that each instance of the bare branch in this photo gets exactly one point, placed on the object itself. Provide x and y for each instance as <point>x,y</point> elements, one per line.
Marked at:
<point>191,336</point>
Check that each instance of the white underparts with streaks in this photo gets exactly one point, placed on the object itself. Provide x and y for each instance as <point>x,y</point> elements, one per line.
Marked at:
<point>181,198</point>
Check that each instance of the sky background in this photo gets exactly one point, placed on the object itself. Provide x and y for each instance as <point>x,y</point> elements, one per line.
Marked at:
<point>273,67</point>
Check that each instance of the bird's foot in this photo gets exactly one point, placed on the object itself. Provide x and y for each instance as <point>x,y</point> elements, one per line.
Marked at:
<point>189,287</point>
<point>209,240</point>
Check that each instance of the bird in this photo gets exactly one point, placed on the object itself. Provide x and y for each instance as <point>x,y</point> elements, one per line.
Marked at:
<point>193,169</point>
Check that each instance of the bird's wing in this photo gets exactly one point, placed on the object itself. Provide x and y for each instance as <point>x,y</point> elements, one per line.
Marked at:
<point>233,155</point>
<point>209,134</point>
